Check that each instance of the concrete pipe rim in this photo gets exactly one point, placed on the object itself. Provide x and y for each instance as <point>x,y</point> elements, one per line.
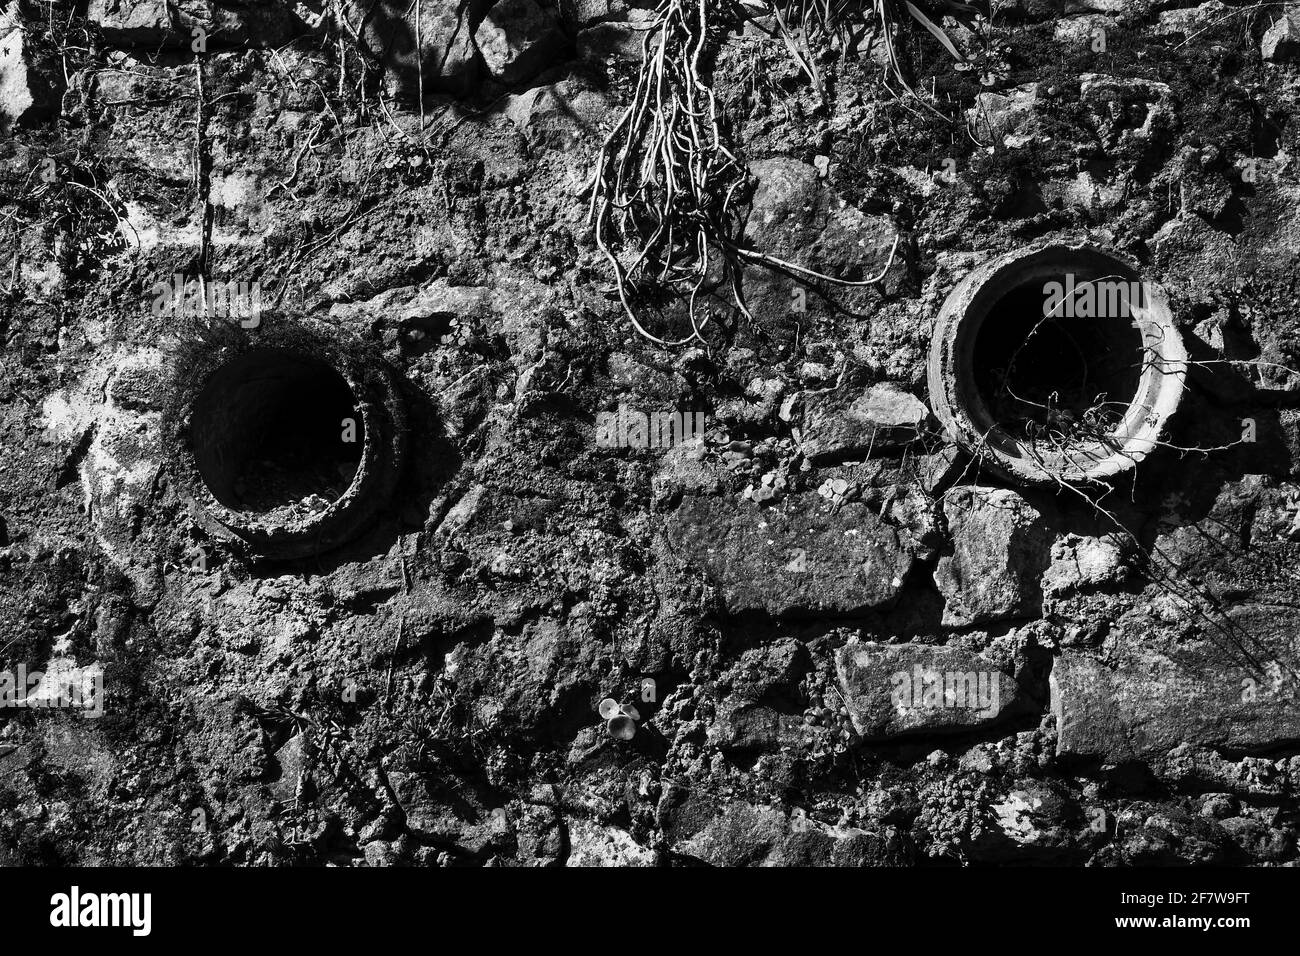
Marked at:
<point>289,368</point>
<point>963,412</point>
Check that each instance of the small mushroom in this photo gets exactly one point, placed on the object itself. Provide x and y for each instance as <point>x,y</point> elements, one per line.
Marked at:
<point>621,727</point>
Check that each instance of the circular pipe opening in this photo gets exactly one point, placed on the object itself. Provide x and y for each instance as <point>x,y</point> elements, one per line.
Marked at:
<point>1056,364</point>
<point>1040,371</point>
<point>289,442</point>
<point>274,430</point>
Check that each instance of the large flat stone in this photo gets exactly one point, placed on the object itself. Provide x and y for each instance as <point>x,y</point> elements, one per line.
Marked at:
<point>1145,703</point>
<point>882,418</point>
<point>738,834</point>
<point>171,23</point>
<point>1001,547</point>
<point>896,689</point>
<point>801,556</point>
<point>137,21</point>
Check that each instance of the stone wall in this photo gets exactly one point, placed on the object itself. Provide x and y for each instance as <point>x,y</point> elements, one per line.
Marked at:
<point>824,635</point>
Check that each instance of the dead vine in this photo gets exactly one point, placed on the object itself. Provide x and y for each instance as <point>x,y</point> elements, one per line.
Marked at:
<point>665,204</point>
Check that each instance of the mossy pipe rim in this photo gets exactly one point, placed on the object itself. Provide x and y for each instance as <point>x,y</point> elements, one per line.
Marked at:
<point>378,403</point>
<point>963,414</point>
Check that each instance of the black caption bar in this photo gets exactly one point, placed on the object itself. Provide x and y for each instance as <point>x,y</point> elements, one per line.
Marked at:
<point>138,906</point>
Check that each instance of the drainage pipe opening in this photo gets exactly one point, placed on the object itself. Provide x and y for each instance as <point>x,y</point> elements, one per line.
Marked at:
<point>272,430</point>
<point>290,443</point>
<point>1045,370</point>
<point>1057,364</point>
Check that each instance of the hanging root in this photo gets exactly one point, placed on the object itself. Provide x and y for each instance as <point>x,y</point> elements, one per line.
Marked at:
<point>665,179</point>
<point>664,205</point>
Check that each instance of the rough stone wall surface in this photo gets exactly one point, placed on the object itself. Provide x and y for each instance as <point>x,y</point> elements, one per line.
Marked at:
<point>826,640</point>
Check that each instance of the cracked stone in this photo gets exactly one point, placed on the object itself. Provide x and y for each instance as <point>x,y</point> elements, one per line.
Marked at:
<point>427,819</point>
<point>170,23</point>
<point>447,52</point>
<point>1189,20</point>
<point>1004,114</point>
<point>884,418</point>
<point>1145,703</point>
<point>593,845</point>
<point>1080,562</point>
<point>746,725</point>
<point>740,834</point>
<point>800,557</point>
<point>743,835</point>
<point>1130,115</point>
<point>794,216</point>
<point>1001,547</point>
<point>896,689</point>
<point>444,31</point>
<point>1281,43</point>
<point>518,39</point>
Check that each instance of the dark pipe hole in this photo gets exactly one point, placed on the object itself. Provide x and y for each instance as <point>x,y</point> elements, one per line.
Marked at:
<point>268,431</point>
<point>1064,375</point>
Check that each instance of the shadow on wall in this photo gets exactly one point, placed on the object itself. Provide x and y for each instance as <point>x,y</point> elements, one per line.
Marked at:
<point>454,46</point>
<point>424,46</point>
<point>1207,508</point>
